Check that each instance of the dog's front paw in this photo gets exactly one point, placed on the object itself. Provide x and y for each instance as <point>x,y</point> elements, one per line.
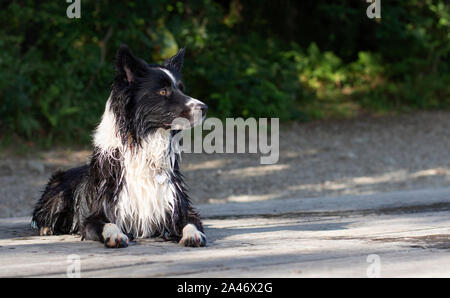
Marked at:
<point>113,237</point>
<point>45,231</point>
<point>192,237</point>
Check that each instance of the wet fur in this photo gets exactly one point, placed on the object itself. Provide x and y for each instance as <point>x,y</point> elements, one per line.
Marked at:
<point>133,180</point>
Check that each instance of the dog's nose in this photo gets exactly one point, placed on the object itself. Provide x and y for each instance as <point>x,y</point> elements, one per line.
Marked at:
<point>197,105</point>
<point>203,108</point>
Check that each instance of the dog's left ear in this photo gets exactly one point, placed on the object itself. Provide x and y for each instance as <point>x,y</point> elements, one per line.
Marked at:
<point>176,61</point>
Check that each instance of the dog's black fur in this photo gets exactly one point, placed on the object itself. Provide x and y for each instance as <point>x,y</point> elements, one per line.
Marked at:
<point>144,100</point>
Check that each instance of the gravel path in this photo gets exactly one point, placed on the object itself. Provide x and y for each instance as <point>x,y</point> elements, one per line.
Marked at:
<point>359,156</point>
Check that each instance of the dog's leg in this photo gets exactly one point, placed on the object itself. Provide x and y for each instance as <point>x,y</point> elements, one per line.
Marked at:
<point>188,223</point>
<point>192,236</point>
<point>192,233</point>
<point>107,233</point>
<point>113,236</point>
<point>45,231</point>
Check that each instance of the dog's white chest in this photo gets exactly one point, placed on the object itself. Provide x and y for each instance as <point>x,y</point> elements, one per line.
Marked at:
<point>160,178</point>
<point>148,195</point>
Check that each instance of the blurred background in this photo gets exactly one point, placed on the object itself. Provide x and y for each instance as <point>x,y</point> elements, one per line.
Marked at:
<point>363,102</point>
<point>298,60</point>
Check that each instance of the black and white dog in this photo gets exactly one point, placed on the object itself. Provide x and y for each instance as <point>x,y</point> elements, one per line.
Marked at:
<point>132,187</point>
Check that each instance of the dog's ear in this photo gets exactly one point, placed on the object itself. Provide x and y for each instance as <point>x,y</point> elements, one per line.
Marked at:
<point>176,61</point>
<point>128,65</point>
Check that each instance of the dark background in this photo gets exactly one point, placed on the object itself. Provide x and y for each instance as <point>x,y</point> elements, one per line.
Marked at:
<point>296,60</point>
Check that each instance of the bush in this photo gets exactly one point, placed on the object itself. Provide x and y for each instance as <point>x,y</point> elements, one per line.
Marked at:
<point>292,60</point>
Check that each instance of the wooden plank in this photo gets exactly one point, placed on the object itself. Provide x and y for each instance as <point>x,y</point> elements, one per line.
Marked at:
<point>413,241</point>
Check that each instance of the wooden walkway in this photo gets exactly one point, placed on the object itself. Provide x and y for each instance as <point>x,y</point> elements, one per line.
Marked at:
<point>402,234</point>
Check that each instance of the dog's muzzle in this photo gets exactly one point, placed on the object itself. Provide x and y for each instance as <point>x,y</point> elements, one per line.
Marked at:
<point>196,114</point>
<point>197,106</point>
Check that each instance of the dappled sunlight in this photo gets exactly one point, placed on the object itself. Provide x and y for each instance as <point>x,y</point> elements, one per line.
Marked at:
<point>399,176</point>
<point>391,177</point>
<point>256,171</point>
<point>245,198</point>
<point>65,158</point>
<point>274,186</point>
<point>303,153</point>
<point>205,165</point>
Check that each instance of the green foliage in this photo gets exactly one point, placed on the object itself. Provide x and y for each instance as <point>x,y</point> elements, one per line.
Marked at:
<point>288,59</point>
<point>260,82</point>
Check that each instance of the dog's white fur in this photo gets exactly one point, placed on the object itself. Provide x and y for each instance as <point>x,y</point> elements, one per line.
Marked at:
<point>190,232</point>
<point>113,234</point>
<point>148,196</point>
<point>171,76</point>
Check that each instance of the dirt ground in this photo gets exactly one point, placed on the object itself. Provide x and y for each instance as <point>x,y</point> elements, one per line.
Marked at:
<point>359,156</point>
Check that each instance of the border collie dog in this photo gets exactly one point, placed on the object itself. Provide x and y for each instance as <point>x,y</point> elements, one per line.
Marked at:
<point>132,187</point>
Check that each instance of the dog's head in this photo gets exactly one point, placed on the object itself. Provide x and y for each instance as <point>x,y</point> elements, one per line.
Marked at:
<point>150,96</point>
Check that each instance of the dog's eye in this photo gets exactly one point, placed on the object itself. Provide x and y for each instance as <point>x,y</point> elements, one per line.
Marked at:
<point>163,92</point>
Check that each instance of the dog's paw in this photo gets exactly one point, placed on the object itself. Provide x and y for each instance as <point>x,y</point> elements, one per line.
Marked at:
<point>113,237</point>
<point>45,231</point>
<point>192,237</point>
